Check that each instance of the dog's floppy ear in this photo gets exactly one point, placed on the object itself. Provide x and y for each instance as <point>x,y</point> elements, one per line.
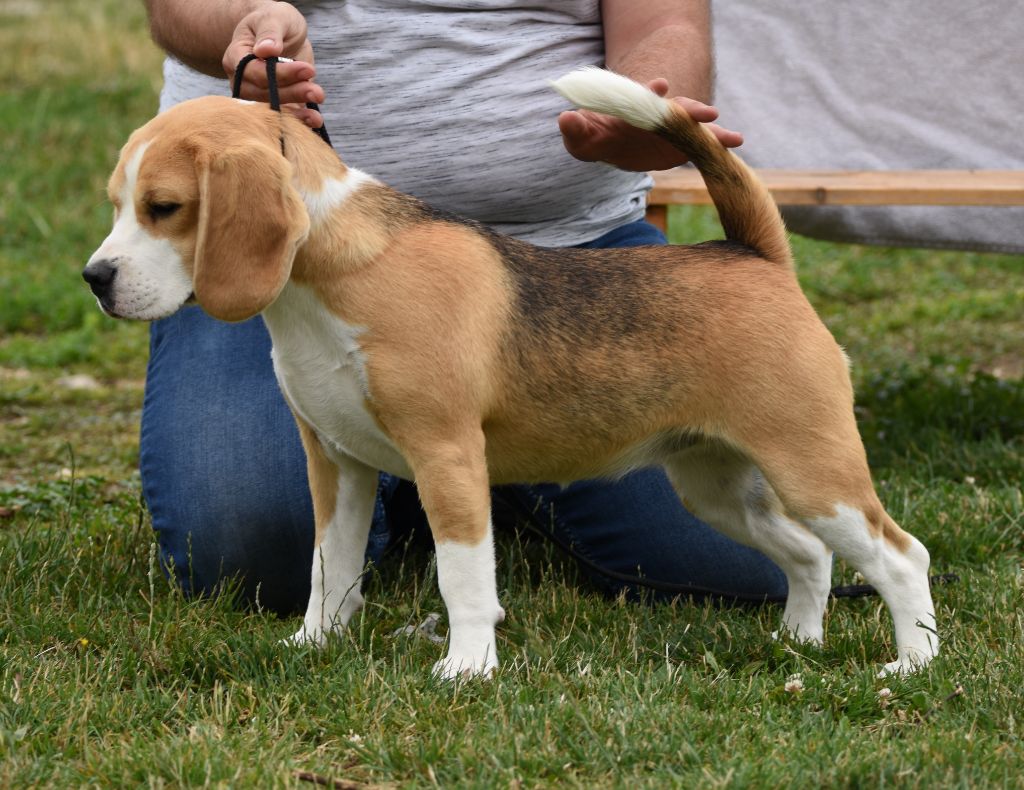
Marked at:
<point>251,222</point>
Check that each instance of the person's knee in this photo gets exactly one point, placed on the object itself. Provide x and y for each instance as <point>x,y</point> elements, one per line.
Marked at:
<point>243,539</point>
<point>223,470</point>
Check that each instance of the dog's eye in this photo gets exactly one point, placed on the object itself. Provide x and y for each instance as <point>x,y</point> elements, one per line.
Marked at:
<point>162,210</point>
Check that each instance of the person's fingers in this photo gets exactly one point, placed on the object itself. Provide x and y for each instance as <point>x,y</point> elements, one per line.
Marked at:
<point>701,112</point>
<point>706,113</point>
<point>295,72</point>
<point>698,110</point>
<point>571,123</point>
<point>258,33</point>
<point>233,55</point>
<point>277,30</point>
<point>288,73</point>
<point>294,83</point>
<point>578,135</point>
<point>299,93</point>
<point>268,43</point>
<point>311,118</point>
<point>593,137</point>
<point>726,137</point>
<point>659,86</point>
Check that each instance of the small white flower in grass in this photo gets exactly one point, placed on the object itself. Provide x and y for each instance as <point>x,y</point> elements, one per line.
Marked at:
<point>354,738</point>
<point>794,684</point>
<point>884,696</point>
<point>79,381</point>
<point>969,480</point>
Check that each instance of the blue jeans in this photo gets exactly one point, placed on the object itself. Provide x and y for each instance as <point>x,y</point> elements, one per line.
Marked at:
<point>224,476</point>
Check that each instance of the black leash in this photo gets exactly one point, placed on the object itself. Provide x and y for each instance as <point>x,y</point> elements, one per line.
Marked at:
<point>694,591</point>
<point>275,99</point>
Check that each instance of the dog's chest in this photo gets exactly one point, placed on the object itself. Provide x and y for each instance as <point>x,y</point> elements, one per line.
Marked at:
<point>321,369</point>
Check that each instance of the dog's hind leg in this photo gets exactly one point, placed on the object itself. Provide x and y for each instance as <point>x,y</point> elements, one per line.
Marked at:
<point>344,492</point>
<point>819,471</point>
<point>451,476</point>
<point>723,487</point>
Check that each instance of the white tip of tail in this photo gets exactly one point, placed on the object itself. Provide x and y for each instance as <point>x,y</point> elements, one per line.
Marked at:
<point>605,91</point>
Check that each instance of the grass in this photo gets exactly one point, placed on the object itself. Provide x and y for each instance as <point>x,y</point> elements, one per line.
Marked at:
<point>109,677</point>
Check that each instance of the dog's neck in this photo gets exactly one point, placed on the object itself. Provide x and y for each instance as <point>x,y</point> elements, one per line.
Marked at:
<point>351,219</point>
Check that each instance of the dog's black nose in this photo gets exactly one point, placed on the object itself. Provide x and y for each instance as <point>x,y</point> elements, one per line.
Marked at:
<point>100,276</point>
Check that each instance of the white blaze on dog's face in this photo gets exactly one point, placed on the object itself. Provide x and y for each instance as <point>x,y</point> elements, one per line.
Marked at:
<point>203,206</point>
<point>145,254</point>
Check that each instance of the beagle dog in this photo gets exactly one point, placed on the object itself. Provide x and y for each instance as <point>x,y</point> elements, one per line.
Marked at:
<point>430,347</point>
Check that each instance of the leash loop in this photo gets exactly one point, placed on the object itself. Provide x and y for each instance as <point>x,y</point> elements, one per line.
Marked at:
<point>275,99</point>
<point>236,83</point>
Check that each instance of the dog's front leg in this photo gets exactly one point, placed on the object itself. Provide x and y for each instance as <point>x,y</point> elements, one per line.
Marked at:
<point>453,487</point>
<point>344,492</point>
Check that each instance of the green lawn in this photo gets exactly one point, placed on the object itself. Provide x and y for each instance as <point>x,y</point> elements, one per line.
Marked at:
<point>108,677</point>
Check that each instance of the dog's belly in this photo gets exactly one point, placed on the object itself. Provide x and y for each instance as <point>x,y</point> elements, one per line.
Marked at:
<point>320,369</point>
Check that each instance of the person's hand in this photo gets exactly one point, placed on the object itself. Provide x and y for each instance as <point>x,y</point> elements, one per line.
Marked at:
<point>594,137</point>
<point>276,30</point>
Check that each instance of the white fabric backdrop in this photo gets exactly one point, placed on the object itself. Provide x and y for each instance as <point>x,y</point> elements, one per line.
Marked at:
<point>880,85</point>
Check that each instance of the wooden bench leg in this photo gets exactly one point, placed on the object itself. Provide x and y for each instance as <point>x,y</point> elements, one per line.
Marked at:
<point>658,216</point>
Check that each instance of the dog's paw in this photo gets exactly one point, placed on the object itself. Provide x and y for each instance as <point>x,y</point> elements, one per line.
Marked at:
<point>807,636</point>
<point>898,668</point>
<point>315,637</point>
<point>909,662</point>
<point>464,667</point>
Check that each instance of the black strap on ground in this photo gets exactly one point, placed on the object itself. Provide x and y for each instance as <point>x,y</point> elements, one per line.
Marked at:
<point>694,591</point>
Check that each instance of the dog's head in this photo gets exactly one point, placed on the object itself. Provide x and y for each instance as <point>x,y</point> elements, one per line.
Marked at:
<point>204,208</point>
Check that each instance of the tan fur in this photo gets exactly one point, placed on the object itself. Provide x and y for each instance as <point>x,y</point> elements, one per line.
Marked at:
<point>745,207</point>
<point>323,479</point>
<point>444,278</point>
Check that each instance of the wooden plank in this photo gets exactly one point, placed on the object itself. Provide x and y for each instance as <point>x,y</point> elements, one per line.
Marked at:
<point>859,187</point>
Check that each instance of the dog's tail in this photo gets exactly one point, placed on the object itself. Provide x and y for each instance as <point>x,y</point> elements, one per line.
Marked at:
<point>746,209</point>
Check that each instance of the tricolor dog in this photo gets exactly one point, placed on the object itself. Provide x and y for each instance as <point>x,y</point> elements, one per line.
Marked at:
<point>434,349</point>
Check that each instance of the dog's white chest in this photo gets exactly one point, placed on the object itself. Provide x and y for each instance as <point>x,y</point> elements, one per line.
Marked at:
<point>321,370</point>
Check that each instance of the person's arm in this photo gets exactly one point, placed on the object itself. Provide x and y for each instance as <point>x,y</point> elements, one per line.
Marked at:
<point>212,37</point>
<point>669,39</point>
<point>667,45</point>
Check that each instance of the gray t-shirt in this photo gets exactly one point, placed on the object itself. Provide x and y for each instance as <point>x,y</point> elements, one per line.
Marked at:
<point>448,100</point>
